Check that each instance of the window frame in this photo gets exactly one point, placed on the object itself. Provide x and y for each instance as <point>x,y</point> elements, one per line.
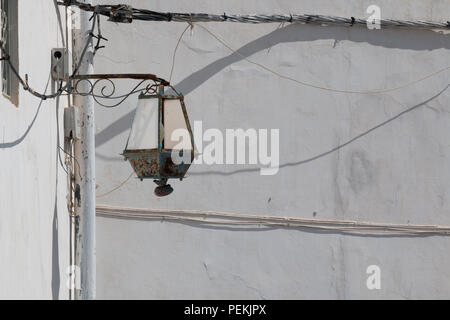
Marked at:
<point>9,28</point>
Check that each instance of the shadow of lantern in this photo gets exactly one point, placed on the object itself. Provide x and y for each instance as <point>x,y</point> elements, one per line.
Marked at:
<point>150,147</point>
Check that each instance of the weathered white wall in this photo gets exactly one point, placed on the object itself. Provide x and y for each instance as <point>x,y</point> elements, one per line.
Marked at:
<point>34,225</point>
<point>399,172</point>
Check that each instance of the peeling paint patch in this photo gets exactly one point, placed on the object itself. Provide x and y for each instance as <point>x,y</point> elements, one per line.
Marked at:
<point>361,171</point>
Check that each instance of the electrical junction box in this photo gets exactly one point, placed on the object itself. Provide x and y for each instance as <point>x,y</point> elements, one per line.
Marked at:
<point>60,64</point>
<point>72,123</point>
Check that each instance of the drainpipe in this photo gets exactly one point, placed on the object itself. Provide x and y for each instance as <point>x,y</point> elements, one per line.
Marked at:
<point>84,153</point>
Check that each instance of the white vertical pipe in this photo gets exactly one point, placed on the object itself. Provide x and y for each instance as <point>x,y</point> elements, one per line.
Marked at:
<point>72,274</point>
<point>84,150</point>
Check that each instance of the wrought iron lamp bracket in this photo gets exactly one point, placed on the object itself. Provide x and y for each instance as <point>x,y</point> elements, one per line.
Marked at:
<point>102,86</point>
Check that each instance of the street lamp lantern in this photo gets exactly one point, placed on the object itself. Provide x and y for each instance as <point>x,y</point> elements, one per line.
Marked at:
<point>160,145</point>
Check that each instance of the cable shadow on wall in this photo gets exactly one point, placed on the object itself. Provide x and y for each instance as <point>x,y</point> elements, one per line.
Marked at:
<point>336,148</point>
<point>241,228</point>
<point>323,154</point>
<point>11,144</point>
<point>56,281</point>
<point>387,38</point>
<point>5,145</point>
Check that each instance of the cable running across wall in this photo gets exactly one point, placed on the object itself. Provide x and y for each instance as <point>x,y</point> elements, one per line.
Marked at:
<point>234,219</point>
<point>126,13</point>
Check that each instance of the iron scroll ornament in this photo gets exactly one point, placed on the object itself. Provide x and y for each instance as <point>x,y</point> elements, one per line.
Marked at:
<point>102,87</point>
<point>149,147</point>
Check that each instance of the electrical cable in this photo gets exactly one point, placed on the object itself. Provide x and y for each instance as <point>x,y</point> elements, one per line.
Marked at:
<point>124,13</point>
<point>175,51</point>
<point>234,219</point>
<point>58,146</point>
<point>66,87</point>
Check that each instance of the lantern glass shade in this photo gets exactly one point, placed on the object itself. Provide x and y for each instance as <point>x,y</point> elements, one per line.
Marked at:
<point>174,119</point>
<point>144,131</point>
<point>160,145</point>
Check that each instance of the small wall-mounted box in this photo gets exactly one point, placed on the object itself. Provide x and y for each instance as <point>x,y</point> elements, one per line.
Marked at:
<point>72,123</point>
<point>60,64</point>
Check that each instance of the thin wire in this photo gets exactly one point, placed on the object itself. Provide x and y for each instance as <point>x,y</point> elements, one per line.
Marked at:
<point>377,91</point>
<point>175,51</point>
<point>116,187</point>
<point>76,161</point>
<point>57,137</point>
<point>67,44</point>
<point>60,90</point>
<point>59,148</point>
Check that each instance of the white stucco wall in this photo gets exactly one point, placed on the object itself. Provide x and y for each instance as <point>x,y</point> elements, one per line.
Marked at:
<point>34,225</point>
<point>397,173</point>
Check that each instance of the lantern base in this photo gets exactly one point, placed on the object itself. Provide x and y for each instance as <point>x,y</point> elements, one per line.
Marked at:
<point>162,191</point>
<point>155,164</point>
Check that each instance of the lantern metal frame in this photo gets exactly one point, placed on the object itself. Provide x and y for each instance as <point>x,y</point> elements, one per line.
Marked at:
<point>157,163</point>
<point>154,163</point>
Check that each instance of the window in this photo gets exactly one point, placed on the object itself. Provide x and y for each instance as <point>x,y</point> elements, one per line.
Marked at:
<point>9,33</point>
